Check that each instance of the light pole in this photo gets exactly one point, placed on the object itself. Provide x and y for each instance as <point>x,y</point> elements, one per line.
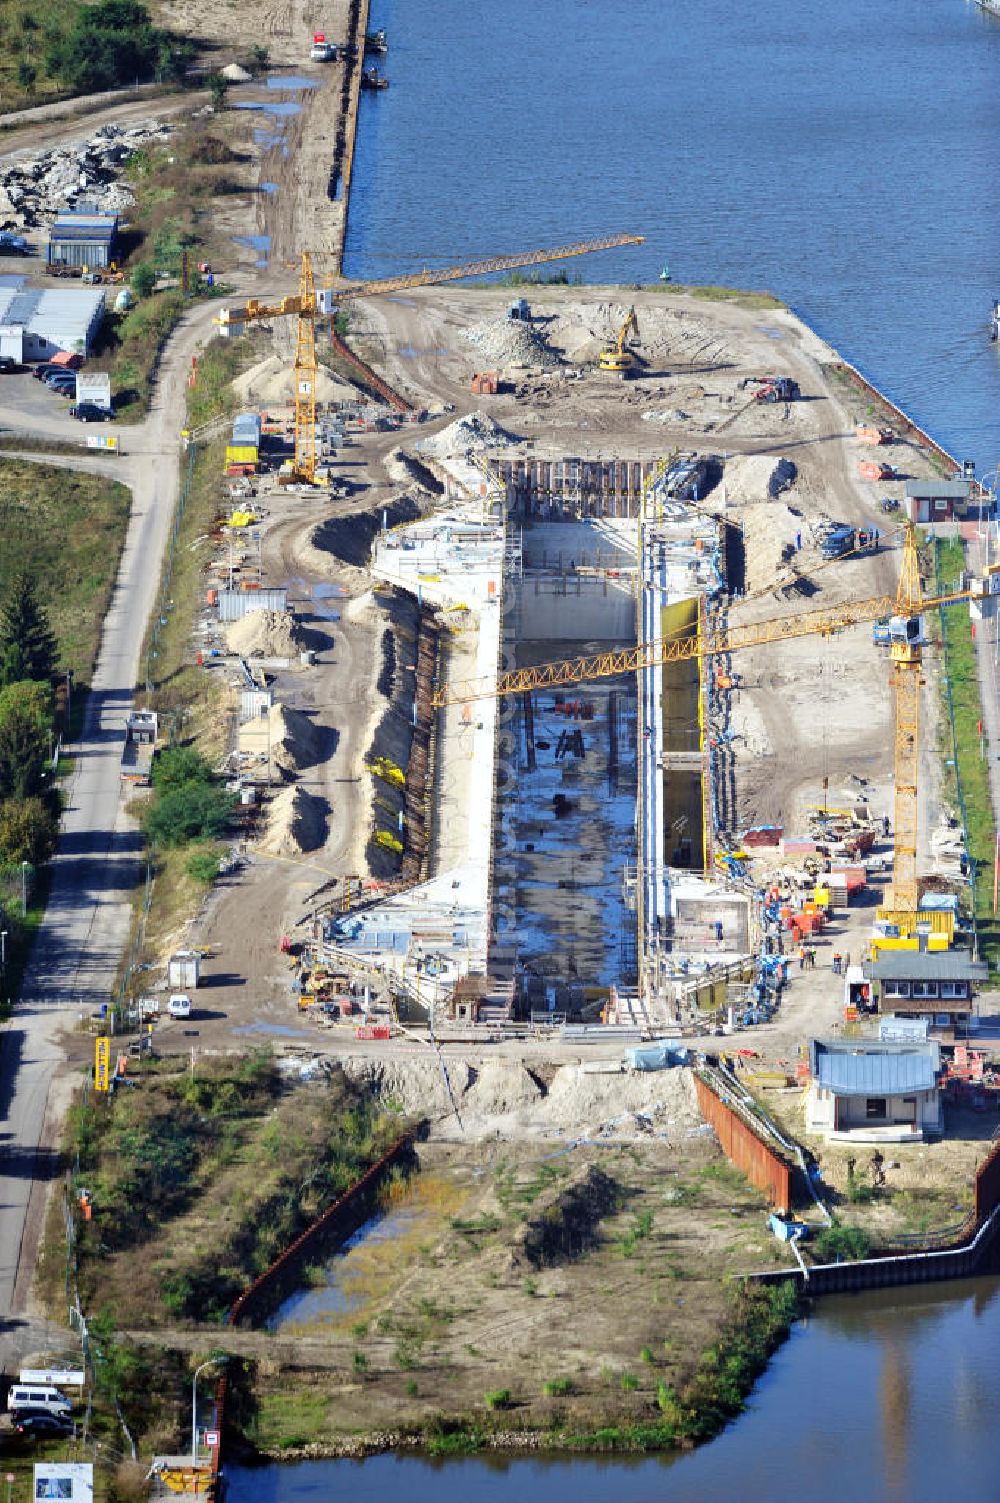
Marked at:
<point>194,1404</point>
<point>3,949</point>
<point>24,888</point>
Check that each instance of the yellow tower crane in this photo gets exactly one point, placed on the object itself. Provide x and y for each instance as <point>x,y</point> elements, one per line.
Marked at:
<point>619,360</point>
<point>311,303</point>
<point>905,635</point>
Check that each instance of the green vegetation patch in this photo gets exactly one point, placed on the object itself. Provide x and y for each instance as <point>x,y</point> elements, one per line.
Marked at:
<point>70,527</point>
<point>198,1181</point>
<point>963,710</point>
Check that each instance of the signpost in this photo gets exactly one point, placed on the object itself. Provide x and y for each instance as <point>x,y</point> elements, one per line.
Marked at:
<point>211,1439</point>
<point>102,1063</point>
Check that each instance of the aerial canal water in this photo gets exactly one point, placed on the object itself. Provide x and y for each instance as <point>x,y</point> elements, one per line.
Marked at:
<point>844,157</point>
<point>889,1398</point>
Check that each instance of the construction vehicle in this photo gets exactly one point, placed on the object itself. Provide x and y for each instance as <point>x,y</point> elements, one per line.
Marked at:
<point>620,360</point>
<point>843,540</point>
<point>139,748</point>
<point>904,613</point>
<point>311,303</point>
<point>772,388</point>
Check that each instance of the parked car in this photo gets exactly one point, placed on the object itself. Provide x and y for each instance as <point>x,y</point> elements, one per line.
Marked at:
<point>8,365</point>
<point>89,412</point>
<point>179,1006</point>
<point>61,383</point>
<point>38,1398</point>
<point>46,368</point>
<point>37,1422</point>
<point>13,245</point>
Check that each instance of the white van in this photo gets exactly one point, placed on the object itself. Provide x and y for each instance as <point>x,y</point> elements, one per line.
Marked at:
<point>179,1005</point>
<point>40,1396</point>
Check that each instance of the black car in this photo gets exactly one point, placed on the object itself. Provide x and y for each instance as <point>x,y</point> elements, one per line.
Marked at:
<point>8,365</point>
<point>47,368</point>
<point>40,1422</point>
<point>89,412</point>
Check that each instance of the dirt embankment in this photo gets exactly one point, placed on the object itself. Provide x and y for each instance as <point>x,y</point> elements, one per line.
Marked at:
<point>567,1225</point>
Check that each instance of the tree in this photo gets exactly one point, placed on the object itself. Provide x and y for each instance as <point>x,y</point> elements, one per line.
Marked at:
<point>143,278</point>
<point>26,75</point>
<point>25,730</point>
<point>27,646</point>
<point>190,811</point>
<point>28,832</point>
<point>218,87</point>
<point>180,764</point>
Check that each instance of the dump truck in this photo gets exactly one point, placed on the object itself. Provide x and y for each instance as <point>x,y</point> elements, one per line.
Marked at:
<point>140,745</point>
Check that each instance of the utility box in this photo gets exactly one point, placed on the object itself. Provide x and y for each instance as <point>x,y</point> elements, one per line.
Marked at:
<point>184,970</point>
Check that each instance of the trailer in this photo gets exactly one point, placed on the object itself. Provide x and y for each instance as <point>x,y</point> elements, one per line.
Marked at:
<point>139,748</point>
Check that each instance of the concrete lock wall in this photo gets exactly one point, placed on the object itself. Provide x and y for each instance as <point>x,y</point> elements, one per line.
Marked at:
<point>745,1150</point>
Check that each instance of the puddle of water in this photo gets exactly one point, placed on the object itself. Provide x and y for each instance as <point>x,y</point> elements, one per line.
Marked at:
<point>371,1261</point>
<point>254,242</point>
<point>323,592</point>
<point>266,138</point>
<point>771,332</point>
<point>268,187</point>
<point>273,1030</point>
<point>270,107</point>
<point>289,81</point>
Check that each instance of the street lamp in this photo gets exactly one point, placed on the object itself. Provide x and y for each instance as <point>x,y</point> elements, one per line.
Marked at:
<point>24,888</point>
<point>194,1403</point>
<point>3,949</point>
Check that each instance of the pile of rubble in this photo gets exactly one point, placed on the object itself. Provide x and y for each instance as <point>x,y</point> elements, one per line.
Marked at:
<point>475,431</point>
<point>751,478</point>
<point>511,341</point>
<point>34,186</point>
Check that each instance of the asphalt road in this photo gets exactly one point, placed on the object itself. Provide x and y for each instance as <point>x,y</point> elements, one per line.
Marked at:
<point>76,956</point>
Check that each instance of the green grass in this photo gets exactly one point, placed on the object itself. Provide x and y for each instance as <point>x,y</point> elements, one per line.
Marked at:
<point>971,781</point>
<point>70,528</point>
<point>712,294</point>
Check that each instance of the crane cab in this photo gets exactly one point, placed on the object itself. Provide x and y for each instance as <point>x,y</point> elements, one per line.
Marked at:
<point>906,637</point>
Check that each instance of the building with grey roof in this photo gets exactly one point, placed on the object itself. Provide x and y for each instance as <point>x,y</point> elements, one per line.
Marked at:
<point>929,501</point>
<point>939,985</point>
<point>37,322</point>
<point>83,237</point>
<point>873,1090</point>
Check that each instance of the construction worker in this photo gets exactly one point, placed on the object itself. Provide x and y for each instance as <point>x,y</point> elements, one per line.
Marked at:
<point>812,957</point>
<point>802,957</point>
<point>836,962</point>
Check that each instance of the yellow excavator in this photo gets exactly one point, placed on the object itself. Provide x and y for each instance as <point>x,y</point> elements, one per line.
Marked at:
<point>620,360</point>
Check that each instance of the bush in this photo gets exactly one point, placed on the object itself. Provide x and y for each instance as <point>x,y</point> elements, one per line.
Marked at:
<point>842,1241</point>
<point>194,811</point>
<point>203,864</point>
<point>498,1398</point>
<point>28,832</point>
<point>557,1388</point>
<point>142,279</point>
<point>114,42</point>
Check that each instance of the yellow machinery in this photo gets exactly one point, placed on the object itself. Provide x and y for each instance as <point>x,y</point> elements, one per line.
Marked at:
<point>620,360</point>
<point>307,305</point>
<point>906,640</point>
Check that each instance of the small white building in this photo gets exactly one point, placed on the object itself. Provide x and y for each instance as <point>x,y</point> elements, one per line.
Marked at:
<point>38,322</point>
<point>874,1090</point>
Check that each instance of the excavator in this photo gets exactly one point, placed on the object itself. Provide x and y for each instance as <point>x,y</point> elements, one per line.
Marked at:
<point>904,638</point>
<point>311,303</point>
<point>620,360</point>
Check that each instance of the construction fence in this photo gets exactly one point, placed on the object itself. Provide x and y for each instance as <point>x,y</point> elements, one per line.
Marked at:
<point>744,1149</point>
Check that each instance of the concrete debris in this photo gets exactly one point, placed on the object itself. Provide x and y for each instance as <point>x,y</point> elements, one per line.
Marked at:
<point>34,186</point>
<point>503,1099</point>
<point>296,822</point>
<point>751,478</point>
<point>673,416</point>
<point>509,341</point>
<point>477,430</point>
<point>268,634</point>
<point>233,73</point>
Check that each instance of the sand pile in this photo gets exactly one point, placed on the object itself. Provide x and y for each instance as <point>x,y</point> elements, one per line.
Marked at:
<point>268,634</point>
<point>296,822</point>
<point>510,341</point>
<point>295,741</point>
<point>502,1099</point>
<point>751,478</point>
<point>271,383</point>
<point>477,430</point>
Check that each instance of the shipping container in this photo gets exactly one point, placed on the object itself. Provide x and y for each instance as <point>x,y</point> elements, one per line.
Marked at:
<point>243,454</point>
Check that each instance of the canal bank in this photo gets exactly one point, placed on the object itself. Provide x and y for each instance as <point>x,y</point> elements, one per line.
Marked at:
<point>857,1403</point>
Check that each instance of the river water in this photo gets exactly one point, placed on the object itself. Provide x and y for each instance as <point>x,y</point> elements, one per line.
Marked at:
<point>845,158</point>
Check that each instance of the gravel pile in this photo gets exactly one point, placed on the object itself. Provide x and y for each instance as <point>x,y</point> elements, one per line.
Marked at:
<point>475,431</point>
<point>269,634</point>
<point>511,341</point>
<point>296,822</point>
<point>34,186</point>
